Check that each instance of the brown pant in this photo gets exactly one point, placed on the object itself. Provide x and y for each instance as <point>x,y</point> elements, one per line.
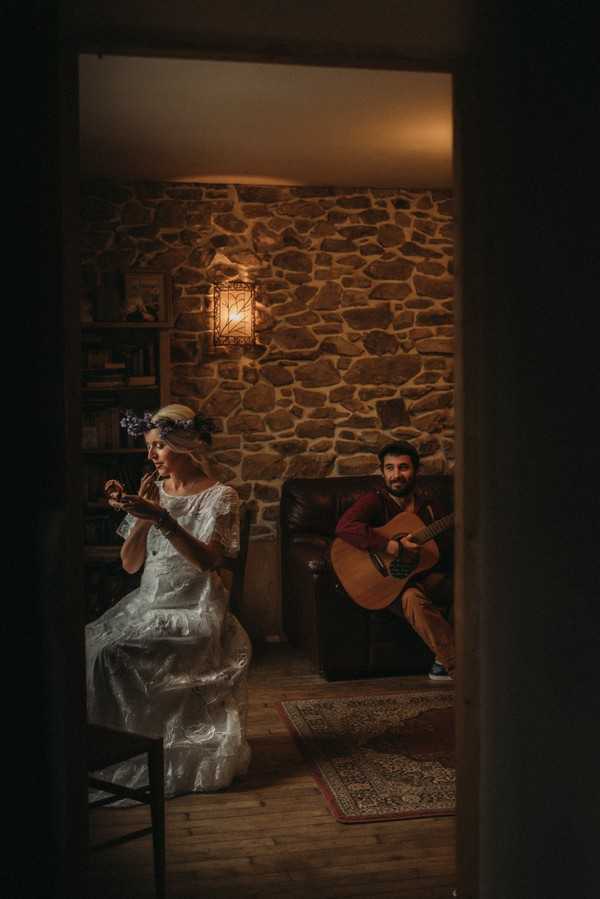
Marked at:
<point>422,603</point>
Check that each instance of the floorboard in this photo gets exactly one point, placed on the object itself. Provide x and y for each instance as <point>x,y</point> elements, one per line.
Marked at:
<point>271,835</point>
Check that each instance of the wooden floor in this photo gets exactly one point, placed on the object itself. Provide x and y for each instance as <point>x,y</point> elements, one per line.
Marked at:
<point>272,834</point>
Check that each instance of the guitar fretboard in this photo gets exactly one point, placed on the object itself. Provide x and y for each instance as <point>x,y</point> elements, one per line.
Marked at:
<point>433,529</point>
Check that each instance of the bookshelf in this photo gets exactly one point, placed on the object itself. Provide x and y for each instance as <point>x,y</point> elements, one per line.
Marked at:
<point>125,365</point>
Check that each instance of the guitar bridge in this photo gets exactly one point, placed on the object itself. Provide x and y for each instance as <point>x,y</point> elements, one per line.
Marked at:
<point>378,563</point>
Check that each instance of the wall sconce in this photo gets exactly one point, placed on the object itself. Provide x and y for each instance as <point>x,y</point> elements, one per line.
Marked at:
<point>234,303</point>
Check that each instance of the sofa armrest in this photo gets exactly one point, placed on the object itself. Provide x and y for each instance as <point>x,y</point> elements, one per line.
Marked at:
<point>341,628</point>
<point>307,556</point>
<point>318,615</point>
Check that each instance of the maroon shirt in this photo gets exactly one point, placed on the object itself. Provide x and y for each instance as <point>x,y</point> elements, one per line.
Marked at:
<point>373,510</point>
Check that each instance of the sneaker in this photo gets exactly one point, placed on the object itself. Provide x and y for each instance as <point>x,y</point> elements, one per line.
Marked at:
<point>438,672</point>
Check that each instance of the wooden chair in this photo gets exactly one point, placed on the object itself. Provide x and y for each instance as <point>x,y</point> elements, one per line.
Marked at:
<point>108,746</point>
<point>237,566</point>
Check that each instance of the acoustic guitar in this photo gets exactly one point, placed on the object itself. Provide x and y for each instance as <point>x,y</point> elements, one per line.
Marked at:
<point>365,574</point>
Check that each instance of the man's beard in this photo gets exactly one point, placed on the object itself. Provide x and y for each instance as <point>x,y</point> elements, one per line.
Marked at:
<point>405,488</point>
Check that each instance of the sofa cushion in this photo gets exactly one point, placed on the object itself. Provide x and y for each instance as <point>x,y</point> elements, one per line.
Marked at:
<point>314,505</point>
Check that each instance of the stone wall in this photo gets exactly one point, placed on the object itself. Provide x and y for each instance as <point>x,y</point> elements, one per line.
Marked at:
<point>354,321</point>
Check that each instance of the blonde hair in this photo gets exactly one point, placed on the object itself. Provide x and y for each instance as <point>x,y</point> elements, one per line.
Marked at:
<point>190,442</point>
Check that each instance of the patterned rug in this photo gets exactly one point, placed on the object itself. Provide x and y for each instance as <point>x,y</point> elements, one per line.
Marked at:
<point>379,758</point>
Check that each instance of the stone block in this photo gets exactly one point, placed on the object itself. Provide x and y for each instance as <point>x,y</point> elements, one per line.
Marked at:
<point>358,465</point>
<point>293,261</point>
<point>436,288</point>
<point>290,446</point>
<point>384,370</point>
<point>313,429</point>
<point>392,270</point>
<point>356,202</point>
<point>373,216</point>
<point>380,343</point>
<point>367,318</point>
<point>262,467</point>
<point>310,465</point>
<point>340,346</point>
<point>228,457</point>
<point>260,398</point>
<point>441,345</point>
<point>230,222</point>
<point>265,493</point>
<point>433,400</point>
<point>392,413</point>
<point>290,338</point>
<point>279,421</point>
<point>392,290</point>
<point>244,423</point>
<point>317,374</point>
<point>260,194</point>
<point>337,245</point>
<point>222,402</point>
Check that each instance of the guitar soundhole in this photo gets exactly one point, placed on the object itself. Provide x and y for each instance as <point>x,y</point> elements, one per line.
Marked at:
<point>403,566</point>
<point>401,569</point>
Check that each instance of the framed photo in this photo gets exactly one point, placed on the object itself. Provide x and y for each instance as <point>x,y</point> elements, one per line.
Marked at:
<point>148,298</point>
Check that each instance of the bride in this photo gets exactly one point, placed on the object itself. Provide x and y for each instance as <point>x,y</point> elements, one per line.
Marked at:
<point>170,659</point>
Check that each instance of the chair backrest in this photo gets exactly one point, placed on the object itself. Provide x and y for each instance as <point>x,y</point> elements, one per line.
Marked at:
<point>237,566</point>
<point>315,505</point>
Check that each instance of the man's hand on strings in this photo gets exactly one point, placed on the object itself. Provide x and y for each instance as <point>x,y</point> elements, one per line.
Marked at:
<point>410,547</point>
<point>406,558</point>
<point>403,547</point>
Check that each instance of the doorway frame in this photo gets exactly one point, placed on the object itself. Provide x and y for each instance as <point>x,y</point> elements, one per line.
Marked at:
<point>467,528</point>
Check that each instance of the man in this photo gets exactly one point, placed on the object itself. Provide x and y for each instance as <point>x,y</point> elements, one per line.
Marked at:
<point>428,593</point>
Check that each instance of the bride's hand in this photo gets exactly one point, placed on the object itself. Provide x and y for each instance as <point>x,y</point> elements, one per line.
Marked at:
<point>113,490</point>
<point>148,487</point>
<point>139,506</point>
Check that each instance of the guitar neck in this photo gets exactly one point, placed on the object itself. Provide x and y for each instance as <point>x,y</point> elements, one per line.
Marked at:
<point>433,529</point>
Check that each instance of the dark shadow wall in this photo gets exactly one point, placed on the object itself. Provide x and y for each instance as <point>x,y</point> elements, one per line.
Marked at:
<point>44,620</point>
<point>529,269</point>
<point>529,316</point>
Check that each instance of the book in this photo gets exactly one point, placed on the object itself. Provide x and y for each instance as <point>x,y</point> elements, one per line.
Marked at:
<point>115,429</point>
<point>150,359</point>
<point>89,431</point>
<point>141,380</point>
<point>102,552</point>
<point>89,437</point>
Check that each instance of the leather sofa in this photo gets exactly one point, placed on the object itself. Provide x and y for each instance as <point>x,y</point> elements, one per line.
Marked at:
<point>343,640</point>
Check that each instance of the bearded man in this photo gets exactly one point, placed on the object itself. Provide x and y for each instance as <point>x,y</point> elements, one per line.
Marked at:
<point>426,599</point>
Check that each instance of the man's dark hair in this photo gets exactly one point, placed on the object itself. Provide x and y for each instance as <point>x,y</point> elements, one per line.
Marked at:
<point>399,448</point>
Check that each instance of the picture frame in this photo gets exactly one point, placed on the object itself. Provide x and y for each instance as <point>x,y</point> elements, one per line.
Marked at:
<point>147,298</point>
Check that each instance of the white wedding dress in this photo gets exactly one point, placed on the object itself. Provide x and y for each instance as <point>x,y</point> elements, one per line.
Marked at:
<point>170,659</point>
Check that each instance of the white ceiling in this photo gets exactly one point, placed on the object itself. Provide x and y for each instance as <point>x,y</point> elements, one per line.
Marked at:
<point>255,123</point>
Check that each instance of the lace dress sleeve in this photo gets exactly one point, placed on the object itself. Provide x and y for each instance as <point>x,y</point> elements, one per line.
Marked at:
<point>125,527</point>
<point>227,521</point>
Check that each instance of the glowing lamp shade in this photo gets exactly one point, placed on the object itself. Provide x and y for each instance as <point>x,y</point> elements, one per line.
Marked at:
<point>234,313</point>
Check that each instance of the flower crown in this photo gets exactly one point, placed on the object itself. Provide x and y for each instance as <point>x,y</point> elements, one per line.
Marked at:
<point>135,426</point>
